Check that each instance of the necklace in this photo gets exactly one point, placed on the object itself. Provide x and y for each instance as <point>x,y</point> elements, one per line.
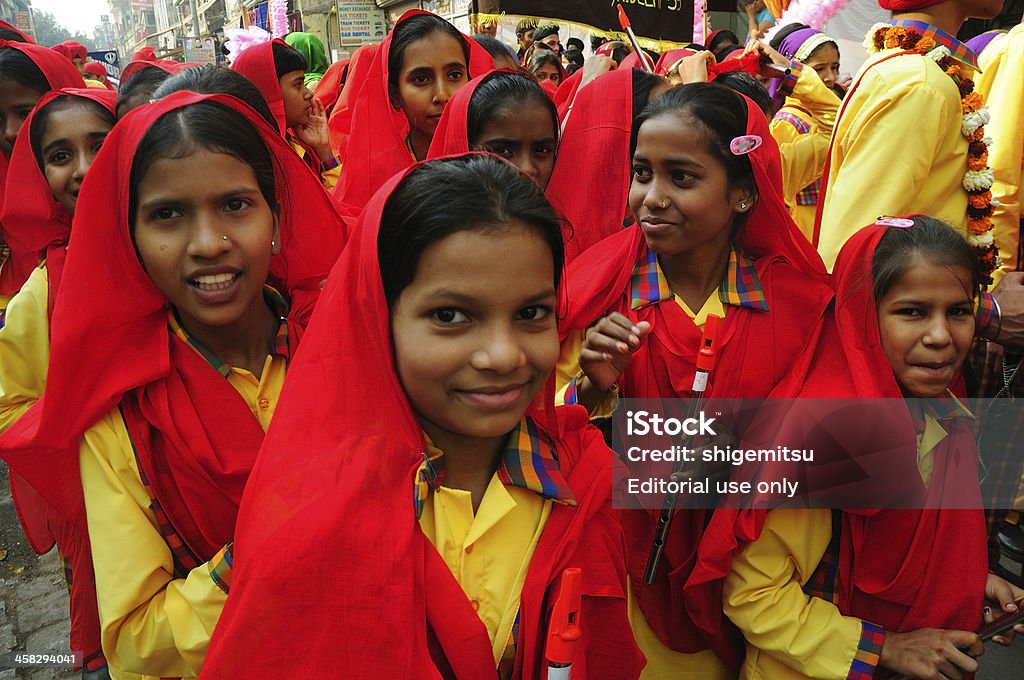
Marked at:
<point>979,178</point>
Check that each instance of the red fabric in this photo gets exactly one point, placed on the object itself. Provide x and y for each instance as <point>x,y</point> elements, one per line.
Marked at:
<point>907,5</point>
<point>668,59</point>
<point>62,50</point>
<point>59,73</point>
<point>755,352</point>
<point>550,89</point>
<point>599,117</point>
<point>376,147</point>
<point>567,93</point>
<point>341,117</point>
<point>9,27</point>
<point>631,60</point>
<point>168,66</point>
<point>748,63</point>
<point>95,68</point>
<point>329,86</point>
<point>109,333</point>
<point>145,54</point>
<point>343,498</point>
<point>76,49</point>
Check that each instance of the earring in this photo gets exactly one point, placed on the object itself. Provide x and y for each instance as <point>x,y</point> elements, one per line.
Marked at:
<point>273,244</point>
<point>743,205</point>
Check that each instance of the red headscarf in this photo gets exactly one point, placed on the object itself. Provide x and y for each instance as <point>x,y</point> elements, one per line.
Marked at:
<point>257,64</point>
<point>110,343</point>
<point>76,49</point>
<point>95,68</point>
<point>36,224</point>
<point>902,569</point>
<point>352,493</point>
<point>600,117</point>
<point>168,66</point>
<point>329,86</point>
<point>755,351</point>
<point>376,147</point>
<point>341,117</point>
<point>9,27</point>
<point>669,58</point>
<point>145,54</point>
<point>62,50</point>
<point>59,73</point>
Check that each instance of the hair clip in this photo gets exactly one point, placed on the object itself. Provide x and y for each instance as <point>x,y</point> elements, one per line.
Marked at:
<point>901,222</point>
<point>740,146</point>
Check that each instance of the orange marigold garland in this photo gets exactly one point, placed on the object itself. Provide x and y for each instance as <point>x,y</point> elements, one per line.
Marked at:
<point>978,178</point>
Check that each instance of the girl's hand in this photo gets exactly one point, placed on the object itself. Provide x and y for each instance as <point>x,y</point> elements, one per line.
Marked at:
<point>608,348</point>
<point>1001,598</point>
<point>315,131</point>
<point>772,55</point>
<point>692,69</point>
<point>930,654</point>
<point>595,66</point>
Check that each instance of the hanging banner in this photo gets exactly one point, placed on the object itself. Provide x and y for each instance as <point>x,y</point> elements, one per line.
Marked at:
<point>670,20</point>
<point>110,61</point>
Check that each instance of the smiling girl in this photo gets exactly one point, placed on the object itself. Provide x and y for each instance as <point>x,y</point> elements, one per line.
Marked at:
<point>421,64</point>
<point>505,113</point>
<point>901,586</point>
<point>169,407</point>
<point>27,71</point>
<point>712,237</point>
<point>440,470</point>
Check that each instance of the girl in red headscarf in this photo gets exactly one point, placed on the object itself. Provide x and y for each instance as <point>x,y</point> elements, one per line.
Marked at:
<point>279,71</point>
<point>713,238</point>
<point>454,490</point>
<point>505,113</point>
<point>421,64</point>
<point>340,120</point>
<point>141,78</point>
<point>591,191</point>
<point>27,72</point>
<point>168,354</point>
<point>824,594</point>
<point>55,148</point>
<point>96,75</point>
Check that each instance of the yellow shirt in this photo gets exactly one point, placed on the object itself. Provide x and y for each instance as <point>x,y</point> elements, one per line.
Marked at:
<point>24,348</point>
<point>488,553</point>
<point>1002,86</point>
<point>804,154</point>
<point>791,635</point>
<point>152,623</point>
<point>329,177</point>
<point>897,150</point>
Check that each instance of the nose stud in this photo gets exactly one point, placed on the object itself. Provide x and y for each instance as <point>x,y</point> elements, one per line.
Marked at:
<point>663,205</point>
<point>224,236</point>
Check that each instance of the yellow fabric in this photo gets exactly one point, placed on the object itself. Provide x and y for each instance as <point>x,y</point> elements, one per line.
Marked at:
<point>24,349</point>
<point>152,623</point>
<point>803,156</point>
<point>488,553</point>
<point>89,82</point>
<point>1001,82</point>
<point>664,663</point>
<point>898,150</point>
<point>789,634</point>
<point>328,178</point>
<point>927,440</point>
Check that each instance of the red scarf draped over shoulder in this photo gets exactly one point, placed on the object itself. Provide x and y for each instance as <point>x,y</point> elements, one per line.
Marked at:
<point>257,64</point>
<point>901,569</point>
<point>344,490</point>
<point>33,219</point>
<point>59,73</point>
<point>755,352</point>
<point>592,191</point>
<point>376,147</point>
<point>340,121</point>
<point>110,344</point>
